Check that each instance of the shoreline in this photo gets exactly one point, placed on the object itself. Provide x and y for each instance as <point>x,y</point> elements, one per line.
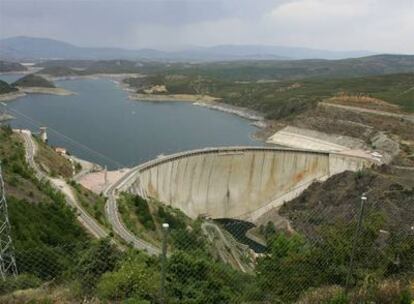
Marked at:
<point>259,120</point>
<point>171,97</point>
<point>42,90</point>
<point>111,76</point>
<point>5,117</point>
<point>206,101</point>
<point>11,96</point>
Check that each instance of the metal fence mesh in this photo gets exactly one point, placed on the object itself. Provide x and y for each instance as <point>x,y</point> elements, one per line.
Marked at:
<point>357,258</point>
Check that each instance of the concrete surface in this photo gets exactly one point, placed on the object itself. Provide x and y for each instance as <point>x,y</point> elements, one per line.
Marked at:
<point>236,182</point>
<point>294,137</point>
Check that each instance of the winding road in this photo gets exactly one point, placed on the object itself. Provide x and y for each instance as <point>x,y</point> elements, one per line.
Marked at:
<point>90,224</point>
<point>59,184</point>
<point>112,214</point>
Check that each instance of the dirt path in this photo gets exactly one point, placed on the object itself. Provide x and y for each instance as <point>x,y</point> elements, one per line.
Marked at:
<point>407,117</point>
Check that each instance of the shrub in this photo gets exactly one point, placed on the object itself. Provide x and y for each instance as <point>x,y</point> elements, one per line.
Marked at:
<point>143,212</point>
<point>96,260</point>
<point>325,295</point>
<point>175,221</point>
<point>22,281</point>
<point>384,292</point>
<point>136,279</point>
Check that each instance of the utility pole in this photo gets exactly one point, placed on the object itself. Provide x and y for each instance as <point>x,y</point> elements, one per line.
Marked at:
<point>7,261</point>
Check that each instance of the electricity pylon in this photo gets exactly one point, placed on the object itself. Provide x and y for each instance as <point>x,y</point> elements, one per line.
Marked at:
<point>7,261</point>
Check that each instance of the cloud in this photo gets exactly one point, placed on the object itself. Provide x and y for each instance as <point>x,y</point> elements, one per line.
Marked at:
<point>337,24</point>
<point>313,10</point>
<point>378,25</point>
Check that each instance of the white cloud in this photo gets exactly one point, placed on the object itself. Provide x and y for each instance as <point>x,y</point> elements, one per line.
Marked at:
<point>311,10</point>
<point>378,25</point>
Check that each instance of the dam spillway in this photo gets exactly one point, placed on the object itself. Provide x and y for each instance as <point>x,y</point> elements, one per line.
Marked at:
<point>235,182</point>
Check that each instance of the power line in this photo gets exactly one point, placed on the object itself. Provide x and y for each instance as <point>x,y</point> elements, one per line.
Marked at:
<point>66,137</point>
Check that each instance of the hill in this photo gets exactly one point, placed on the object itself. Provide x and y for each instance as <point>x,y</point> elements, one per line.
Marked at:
<point>275,70</point>
<point>6,66</point>
<point>59,71</point>
<point>6,88</point>
<point>19,48</point>
<point>338,199</point>
<point>245,71</point>
<point>281,99</point>
<point>29,198</point>
<point>33,80</point>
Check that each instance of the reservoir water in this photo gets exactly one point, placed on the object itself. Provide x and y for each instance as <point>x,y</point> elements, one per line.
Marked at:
<point>124,132</point>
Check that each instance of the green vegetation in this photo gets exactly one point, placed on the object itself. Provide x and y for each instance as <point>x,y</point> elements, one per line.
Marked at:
<point>295,69</point>
<point>33,80</point>
<point>83,68</point>
<point>6,88</point>
<point>51,162</point>
<point>51,247</point>
<point>285,98</point>
<point>276,88</point>
<point>58,71</point>
<point>309,264</point>
<point>300,263</point>
<point>143,213</point>
<point>93,203</point>
<point>42,224</point>
<point>145,219</point>
<point>251,70</point>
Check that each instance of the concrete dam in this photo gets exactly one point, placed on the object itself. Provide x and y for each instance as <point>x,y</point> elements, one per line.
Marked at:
<point>235,182</point>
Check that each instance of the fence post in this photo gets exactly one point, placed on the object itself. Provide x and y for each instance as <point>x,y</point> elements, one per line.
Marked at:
<point>165,227</point>
<point>354,242</point>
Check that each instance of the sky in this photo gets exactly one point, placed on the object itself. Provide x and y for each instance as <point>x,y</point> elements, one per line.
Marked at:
<point>374,25</point>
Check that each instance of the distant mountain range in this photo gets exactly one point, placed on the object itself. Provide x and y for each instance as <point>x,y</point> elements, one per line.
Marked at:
<point>29,48</point>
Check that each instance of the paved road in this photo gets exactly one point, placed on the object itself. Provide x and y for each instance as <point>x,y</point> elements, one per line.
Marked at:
<point>112,214</point>
<point>87,167</point>
<point>59,184</point>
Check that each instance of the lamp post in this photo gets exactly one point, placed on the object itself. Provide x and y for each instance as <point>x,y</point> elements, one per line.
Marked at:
<point>165,227</point>
<point>355,239</point>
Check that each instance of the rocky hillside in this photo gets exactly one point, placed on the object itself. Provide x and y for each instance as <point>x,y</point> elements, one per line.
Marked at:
<point>338,200</point>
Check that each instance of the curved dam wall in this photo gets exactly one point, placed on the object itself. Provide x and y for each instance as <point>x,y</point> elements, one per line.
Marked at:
<point>240,182</point>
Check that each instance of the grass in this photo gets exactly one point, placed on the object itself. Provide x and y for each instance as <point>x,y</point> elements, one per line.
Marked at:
<point>51,162</point>
<point>93,203</point>
<point>18,178</point>
<point>144,218</point>
<point>134,220</point>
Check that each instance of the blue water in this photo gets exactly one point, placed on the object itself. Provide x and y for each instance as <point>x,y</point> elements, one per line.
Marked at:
<point>12,77</point>
<point>124,132</point>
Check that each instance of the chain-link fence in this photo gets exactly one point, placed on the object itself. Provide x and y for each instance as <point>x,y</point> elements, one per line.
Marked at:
<point>335,250</point>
